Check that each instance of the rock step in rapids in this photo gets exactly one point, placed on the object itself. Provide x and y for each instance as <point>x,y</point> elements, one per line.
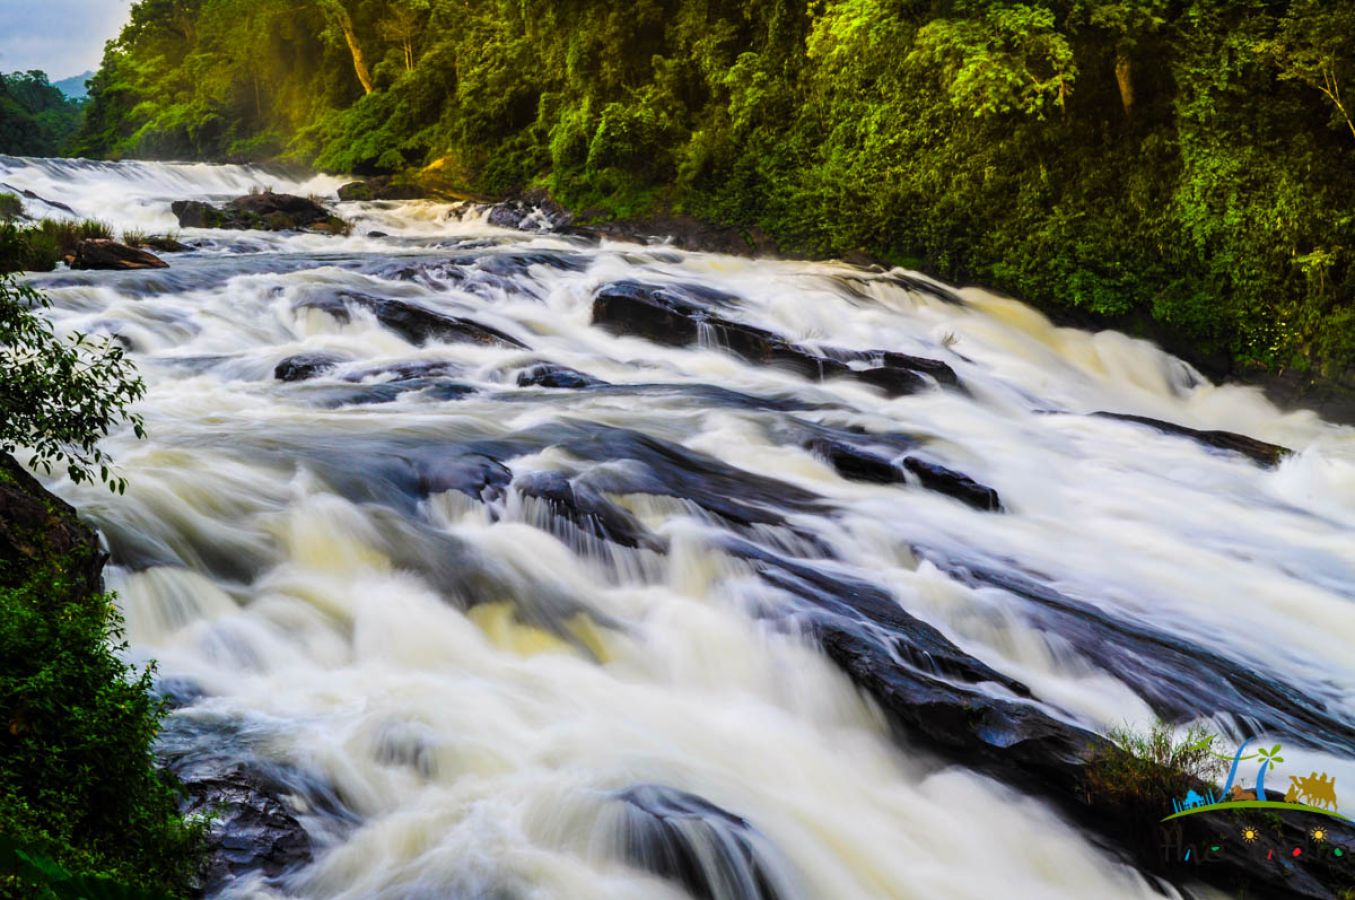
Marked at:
<point>672,316</point>
<point>1260,452</point>
<point>264,211</point>
<point>416,324</point>
<point>101,253</point>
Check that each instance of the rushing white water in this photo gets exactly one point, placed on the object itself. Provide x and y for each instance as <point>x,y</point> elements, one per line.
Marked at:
<point>475,681</point>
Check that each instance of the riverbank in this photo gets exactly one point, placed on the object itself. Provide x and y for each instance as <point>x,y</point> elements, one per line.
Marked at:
<point>80,791</point>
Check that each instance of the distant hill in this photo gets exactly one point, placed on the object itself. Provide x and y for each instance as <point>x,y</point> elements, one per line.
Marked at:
<point>74,87</point>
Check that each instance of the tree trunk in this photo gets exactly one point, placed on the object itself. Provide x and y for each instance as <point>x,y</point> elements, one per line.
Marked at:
<point>1124,77</point>
<point>359,61</point>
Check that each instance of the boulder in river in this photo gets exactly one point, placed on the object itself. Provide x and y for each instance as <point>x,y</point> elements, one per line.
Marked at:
<point>381,189</point>
<point>549,375</point>
<point>679,317</point>
<point>689,841</point>
<point>101,253</point>
<point>264,211</point>
<point>306,366</point>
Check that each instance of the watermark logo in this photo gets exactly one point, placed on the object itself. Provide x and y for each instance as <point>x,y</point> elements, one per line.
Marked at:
<point>1313,794</point>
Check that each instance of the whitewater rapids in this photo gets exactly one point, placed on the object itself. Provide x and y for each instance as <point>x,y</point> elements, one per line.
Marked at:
<point>486,696</point>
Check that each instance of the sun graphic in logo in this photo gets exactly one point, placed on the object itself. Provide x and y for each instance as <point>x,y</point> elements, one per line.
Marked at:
<point>1250,834</point>
<point>1318,834</point>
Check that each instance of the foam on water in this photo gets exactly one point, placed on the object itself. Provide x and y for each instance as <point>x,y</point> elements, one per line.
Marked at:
<point>481,680</point>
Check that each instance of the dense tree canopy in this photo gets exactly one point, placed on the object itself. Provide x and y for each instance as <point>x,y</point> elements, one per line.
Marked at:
<point>36,119</point>
<point>1181,162</point>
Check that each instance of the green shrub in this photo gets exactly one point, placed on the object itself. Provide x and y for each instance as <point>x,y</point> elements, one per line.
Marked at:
<point>60,396</point>
<point>11,207</point>
<point>1138,774</point>
<point>77,774</point>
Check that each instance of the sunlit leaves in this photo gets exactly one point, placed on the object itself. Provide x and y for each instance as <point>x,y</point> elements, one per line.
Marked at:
<point>60,396</point>
<point>1008,58</point>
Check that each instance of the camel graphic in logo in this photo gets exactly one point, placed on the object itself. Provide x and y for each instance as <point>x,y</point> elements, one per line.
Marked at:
<point>1314,791</point>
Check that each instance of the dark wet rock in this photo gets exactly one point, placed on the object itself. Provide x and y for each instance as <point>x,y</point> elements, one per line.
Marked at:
<point>678,317</point>
<point>306,366</point>
<point>265,211</point>
<point>101,253</point>
<point>517,263</point>
<point>377,234</point>
<point>479,477</point>
<point>879,272</point>
<point>252,828</point>
<point>163,243</point>
<point>1182,680</point>
<point>339,396</point>
<point>1260,452</point>
<point>935,369</point>
<point>862,459</point>
<point>31,195</point>
<point>855,463</point>
<point>933,694</point>
<point>408,371</point>
<point>587,510</point>
<point>668,469</point>
<point>382,189</point>
<point>712,853</point>
<point>416,324</point>
<point>925,286</point>
<point>548,375</point>
<point>38,528</point>
<point>255,803</point>
<point>954,484</point>
<point>506,215</point>
<point>894,382</point>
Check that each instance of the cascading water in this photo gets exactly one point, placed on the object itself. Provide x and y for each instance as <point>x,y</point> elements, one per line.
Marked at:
<point>510,604</point>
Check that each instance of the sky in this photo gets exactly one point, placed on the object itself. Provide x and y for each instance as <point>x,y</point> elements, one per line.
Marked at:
<point>61,37</point>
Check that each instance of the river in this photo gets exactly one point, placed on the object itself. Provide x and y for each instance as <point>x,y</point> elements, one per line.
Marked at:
<point>510,632</point>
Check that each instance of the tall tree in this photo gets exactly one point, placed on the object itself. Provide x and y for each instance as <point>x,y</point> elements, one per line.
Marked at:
<point>340,18</point>
<point>1315,46</point>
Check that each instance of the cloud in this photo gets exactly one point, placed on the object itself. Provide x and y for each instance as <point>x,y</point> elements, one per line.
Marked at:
<point>61,37</point>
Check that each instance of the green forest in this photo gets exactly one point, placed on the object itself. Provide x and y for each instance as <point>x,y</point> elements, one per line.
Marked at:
<point>36,118</point>
<point>1182,168</point>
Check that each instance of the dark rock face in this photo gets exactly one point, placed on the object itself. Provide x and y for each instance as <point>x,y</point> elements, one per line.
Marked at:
<point>535,211</point>
<point>548,375</point>
<point>257,804</point>
<point>163,243</point>
<point>381,189</point>
<point>36,527</point>
<point>954,484</point>
<point>859,462</point>
<point>253,830</point>
<point>713,854</point>
<point>1180,679</point>
<point>590,512</point>
<point>678,317</point>
<point>264,211</point>
<point>100,253</point>
<point>306,366</point>
<point>414,323</point>
<point>1260,452</point>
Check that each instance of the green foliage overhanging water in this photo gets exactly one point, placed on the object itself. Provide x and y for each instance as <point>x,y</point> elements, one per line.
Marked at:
<point>1181,166</point>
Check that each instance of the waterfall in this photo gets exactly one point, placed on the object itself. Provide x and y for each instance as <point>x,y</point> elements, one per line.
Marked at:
<point>516,602</point>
